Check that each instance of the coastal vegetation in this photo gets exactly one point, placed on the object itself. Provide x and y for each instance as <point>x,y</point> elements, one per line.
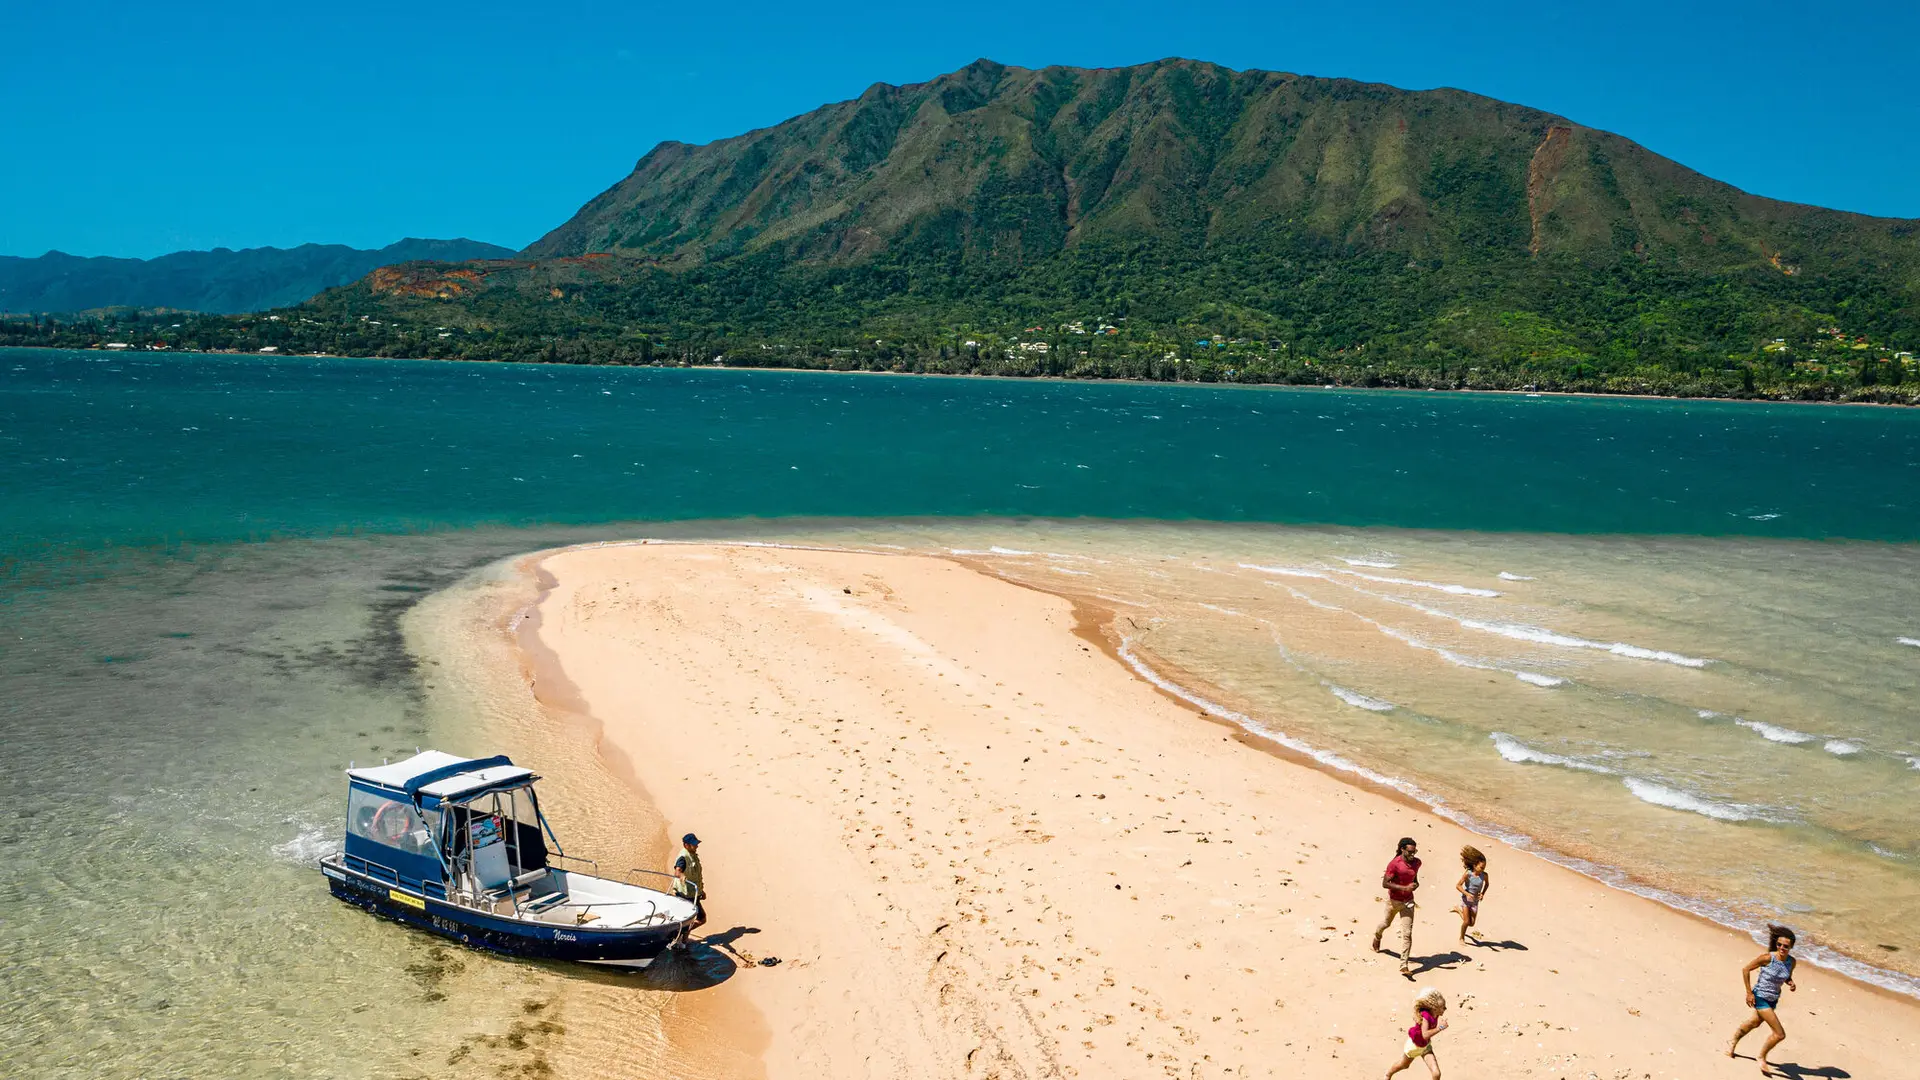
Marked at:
<point>1174,221</point>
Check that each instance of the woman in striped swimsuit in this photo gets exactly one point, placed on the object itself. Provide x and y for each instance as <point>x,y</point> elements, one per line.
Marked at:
<point>1763,995</point>
<point>1472,886</point>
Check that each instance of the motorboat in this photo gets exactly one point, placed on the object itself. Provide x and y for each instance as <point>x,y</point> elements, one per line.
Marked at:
<point>459,846</point>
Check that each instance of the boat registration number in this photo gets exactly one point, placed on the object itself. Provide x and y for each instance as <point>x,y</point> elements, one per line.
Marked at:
<point>408,899</point>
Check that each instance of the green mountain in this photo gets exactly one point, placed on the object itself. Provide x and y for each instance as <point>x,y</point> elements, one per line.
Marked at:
<point>1006,164</point>
<point>1176,220</point>
<point>221,280</point>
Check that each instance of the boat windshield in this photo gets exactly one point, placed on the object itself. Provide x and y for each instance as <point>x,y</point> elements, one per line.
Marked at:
<point>496,840</point>
<point>391,822</point>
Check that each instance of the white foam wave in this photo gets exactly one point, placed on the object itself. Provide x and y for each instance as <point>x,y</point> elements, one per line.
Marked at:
<point>1843,747</point>
<point>1913,763</point>
<point>1520,753</point>
<point>1518,631</point>
<point>1504,576</point>
<point>1311,602</point>
<point>998,550</point>
<point>1325,757</point>
<point>967,551</point>
<point>1884,853</point>
<point>1446,654</point>
<point>1064,570</point>
<point>1661,795</point>
<point>1285,571</point>
<point>1621,648</point>
<point>1456,590</point>
<point>309,845</point>
<point>1776,733</point>
<point>1542,636</point>
<point>1374,563</point>
<point>1359,700</point>
<point>1708,714</point>
<point>1915,642</point>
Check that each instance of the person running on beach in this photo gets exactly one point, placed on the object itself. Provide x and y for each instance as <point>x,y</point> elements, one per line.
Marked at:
<point>690,880</point>
<point>1429,1012</point>
<point>1401,878</point>
<point>1472,886</point>
<point>1763,993</point>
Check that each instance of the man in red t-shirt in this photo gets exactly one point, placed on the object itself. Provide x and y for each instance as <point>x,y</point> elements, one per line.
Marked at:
<point>1401,878</point>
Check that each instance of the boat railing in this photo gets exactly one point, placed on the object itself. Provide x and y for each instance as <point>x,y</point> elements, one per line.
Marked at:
<point>661,881</point>
<point>552,855</point>
<point>653,880</point>
<point>383,873</point>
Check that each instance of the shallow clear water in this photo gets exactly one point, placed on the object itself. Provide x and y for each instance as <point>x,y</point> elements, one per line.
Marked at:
<point>206,564</point>
<point>1725,724</point>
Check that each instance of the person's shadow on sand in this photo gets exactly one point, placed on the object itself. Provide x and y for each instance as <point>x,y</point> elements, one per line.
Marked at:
<point>725,939</point>
<point>1499,946</point>
<point>1793,1071</point>
<point>1442,961</point>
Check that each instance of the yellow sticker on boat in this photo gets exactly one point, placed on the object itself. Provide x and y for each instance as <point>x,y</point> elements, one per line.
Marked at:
<point>408,899</point>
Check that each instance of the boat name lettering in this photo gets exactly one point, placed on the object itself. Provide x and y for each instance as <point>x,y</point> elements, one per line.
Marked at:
<point>408,899</point>
<point>562,935</point>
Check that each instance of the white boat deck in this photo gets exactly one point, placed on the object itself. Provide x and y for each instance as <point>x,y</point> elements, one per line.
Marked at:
<point>599,903</point>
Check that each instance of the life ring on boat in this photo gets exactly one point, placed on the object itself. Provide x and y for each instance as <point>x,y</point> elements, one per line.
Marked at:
<point>389,824</point>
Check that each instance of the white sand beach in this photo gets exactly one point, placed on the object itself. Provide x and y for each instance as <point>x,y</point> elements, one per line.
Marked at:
<point>948,834</point>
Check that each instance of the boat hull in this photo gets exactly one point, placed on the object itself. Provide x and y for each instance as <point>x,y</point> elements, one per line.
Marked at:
<point>634,947</point>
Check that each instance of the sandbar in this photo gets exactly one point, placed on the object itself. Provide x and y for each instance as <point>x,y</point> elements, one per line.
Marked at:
<point>948,834</point>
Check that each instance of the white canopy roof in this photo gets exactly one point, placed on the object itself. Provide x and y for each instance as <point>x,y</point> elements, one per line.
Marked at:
<point>474,781</point>
<point>399,773</point>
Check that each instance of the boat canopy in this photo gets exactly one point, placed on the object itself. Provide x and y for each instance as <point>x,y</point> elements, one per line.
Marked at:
<point>397,814</point>
<point>432,776</point>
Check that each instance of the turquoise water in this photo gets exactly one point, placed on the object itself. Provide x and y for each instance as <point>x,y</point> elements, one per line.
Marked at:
<point>205,562</point>
<point>131,448</point>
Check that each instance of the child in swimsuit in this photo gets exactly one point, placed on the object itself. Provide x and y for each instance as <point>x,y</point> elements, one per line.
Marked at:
<point>1472,886</point>
<point>1429,1011</point>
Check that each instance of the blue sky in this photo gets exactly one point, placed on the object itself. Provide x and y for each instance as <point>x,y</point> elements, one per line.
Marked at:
<point>141,128</point>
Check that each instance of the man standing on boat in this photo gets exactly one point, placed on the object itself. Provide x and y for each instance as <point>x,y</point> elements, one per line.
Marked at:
<point>1401,878</point>
<point>690,882</point>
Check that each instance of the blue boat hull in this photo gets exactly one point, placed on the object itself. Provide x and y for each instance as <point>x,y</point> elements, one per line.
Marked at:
<point>635,948</point>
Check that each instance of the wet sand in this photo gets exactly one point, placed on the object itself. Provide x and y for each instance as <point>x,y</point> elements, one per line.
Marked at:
<point>948,836</point>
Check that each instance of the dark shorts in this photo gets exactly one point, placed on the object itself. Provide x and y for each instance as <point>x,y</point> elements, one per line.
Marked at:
<point>1764,1003</point>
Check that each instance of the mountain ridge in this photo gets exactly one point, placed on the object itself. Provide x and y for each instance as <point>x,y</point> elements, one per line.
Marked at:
<point>1232,138</point>
<point>220,280</point>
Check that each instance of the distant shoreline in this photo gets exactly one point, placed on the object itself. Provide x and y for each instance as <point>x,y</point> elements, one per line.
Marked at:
<point>1595,394</point>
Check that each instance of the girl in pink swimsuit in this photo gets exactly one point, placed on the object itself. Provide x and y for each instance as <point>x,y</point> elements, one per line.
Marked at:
<point>1429,1013</point>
